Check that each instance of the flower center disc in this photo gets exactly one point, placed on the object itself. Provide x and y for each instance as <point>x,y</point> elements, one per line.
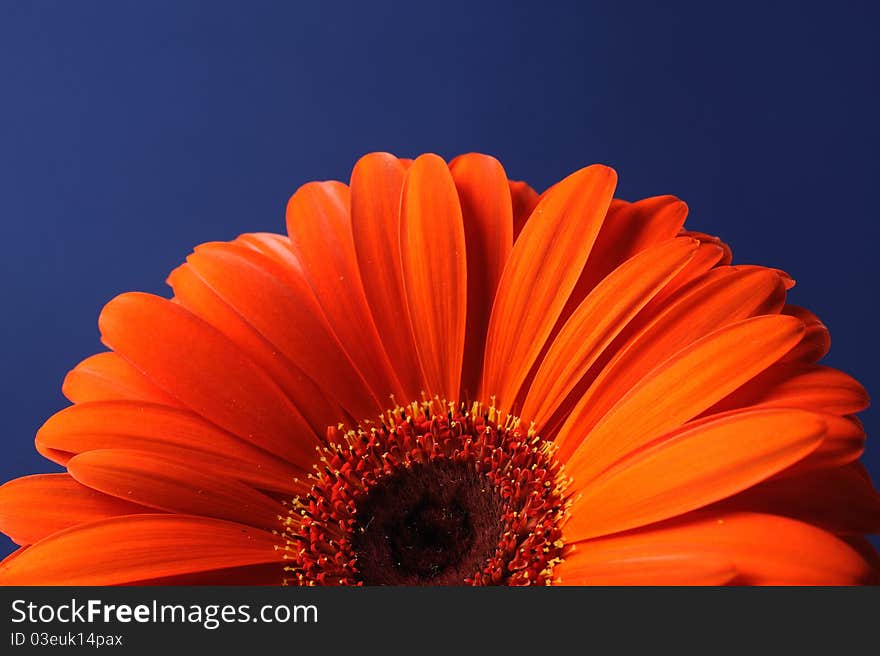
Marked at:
<point>432,495</point>
<point>430,524</point>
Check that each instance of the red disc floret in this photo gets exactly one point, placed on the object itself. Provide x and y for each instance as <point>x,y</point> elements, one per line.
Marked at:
<point>421,470</point>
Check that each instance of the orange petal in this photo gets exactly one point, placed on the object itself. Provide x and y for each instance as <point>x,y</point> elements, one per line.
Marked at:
<point>631,564</point>
<point>192,292</point>
<point>303,355</point>
<point>164,484</point>
<point>679,389</point>
<point>598,320</point>
<point>692,468</point>
<point>33,507</point>
<point>319,224</point>
<point>628,229</point>
<point>106,376</point>
<point>727,254</point>
<point>763,549</point>
<point>523,200</point>
<point>714,299</point>
<point>708,255</point>
<point>196,364</point>
<point>787,280</point>
<point>133,548</point>
<point>723,297</point>
<point>840,499</point>
<point>816,340</point>
<point>432,247</point>
<point>171,433</point>
<point>844,442</point>
<point>799,385</point>
<point>484,193</point>
<point>546,262</point>
<point>867,550</point>
<point>718,298</point>
<point>722,289</point>
<point>376,186</point>
<point>278,249</point>
<point>263,574</point>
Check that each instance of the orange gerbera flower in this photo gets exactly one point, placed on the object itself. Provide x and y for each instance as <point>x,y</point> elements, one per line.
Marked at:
<point>341,405</point>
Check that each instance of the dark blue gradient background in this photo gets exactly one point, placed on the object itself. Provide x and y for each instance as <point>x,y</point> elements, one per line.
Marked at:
<point>132,131</point>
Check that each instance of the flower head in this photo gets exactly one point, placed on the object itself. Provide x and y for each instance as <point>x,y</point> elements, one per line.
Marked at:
<point>441,377</point>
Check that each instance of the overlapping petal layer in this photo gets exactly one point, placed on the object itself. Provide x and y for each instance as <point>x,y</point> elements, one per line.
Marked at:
<point>702,442</point>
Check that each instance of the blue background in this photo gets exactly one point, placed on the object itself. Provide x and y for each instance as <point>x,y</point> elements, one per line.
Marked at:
<point>131,131</point>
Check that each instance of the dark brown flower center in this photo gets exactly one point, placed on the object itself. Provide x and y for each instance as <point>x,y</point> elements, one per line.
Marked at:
<point>431,495</point>
<point>432,524</point>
